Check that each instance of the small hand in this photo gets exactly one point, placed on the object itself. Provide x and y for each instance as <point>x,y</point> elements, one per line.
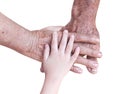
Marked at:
<point>58,61</point>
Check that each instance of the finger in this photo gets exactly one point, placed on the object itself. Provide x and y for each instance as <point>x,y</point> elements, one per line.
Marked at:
<point>87,62</point>
<point>92,70</point>
<point>54,44</point>
<point>63,41</point>
<point>41,69</point>
<point>76,69</point>
<point>75,55</point>
<point>89,45</point>
<point>86,38</point>
<point>94,39</point>
<point>70,45</point>
<point>88,51</point>
<point>46,52</point>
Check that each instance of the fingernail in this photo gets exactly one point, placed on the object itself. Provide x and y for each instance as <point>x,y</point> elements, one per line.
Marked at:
<point>72,36</point>
<point>89,69</point>
<point>98,40</point>
<point>46,45</point>
<point>95,65</point>
<point>79,70</point>
<point>78,48</point>
<point>100,54</point>
<point>94,71</point>
<point>54,33</point>
<point>65,31</point>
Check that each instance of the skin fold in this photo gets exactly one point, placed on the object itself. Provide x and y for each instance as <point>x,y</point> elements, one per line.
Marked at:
<point>82,21</point>
<point>82,25</point>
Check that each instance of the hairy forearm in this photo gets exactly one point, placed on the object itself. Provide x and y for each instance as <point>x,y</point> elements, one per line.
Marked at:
<point>83,15</point>
<point>85,9</point>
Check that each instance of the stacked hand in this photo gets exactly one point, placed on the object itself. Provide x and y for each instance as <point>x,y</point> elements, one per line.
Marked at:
<point>41,37</point>
<point>82,26</point>
<point>83,22</point>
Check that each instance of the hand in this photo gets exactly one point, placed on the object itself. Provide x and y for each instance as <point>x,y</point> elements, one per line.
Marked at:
<point>58,60</point>
<point>83,22</point>
<point>39,38</point>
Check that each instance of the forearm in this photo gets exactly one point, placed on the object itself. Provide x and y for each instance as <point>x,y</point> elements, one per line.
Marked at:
<point>51,86</point>
<point>28,43</point>
<point>13,35</point>
<point>85,9</point>
<point>83,15</point>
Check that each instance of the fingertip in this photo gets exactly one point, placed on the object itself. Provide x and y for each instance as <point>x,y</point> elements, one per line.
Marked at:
<point>94,71</point>
<point>79,70</point>
<point>65,31</point>
<point>46,45</point>
<point>97,40</point>
<point>54,35</point>
<point>91,70</point>
<point>76,69</point>
<point>72,36</point>
<point>78,49</point>
<point>100,54</point>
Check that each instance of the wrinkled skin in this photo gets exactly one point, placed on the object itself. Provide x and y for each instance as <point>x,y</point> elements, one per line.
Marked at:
<point>83,21</point>
<point>41,37</point>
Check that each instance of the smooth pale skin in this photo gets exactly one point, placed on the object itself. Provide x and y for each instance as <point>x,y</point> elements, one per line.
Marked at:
<point>57,62</point>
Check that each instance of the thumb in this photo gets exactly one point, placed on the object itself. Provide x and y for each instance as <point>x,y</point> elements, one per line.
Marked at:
<point>41,69</point>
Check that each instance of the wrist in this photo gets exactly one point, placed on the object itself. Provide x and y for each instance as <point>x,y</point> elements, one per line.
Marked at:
<point>13,35</point>
<point>50,86</point>
<point>35,46</point>
<point>17,40</point>
<point>53,78</point>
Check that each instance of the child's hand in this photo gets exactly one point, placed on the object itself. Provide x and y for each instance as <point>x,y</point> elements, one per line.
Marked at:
<point>58,60</point>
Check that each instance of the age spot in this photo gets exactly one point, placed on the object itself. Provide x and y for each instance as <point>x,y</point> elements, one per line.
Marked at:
<point>3,32</point>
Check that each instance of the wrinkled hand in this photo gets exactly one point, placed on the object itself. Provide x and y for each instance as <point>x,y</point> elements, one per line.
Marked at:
<point>83,22</point>
<point>41,37</point>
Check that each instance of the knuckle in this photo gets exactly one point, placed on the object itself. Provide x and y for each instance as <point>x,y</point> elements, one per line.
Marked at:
<point>95,47</point>
<point>92,53</point>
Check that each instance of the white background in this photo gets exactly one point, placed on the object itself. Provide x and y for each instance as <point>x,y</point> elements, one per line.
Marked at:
<point>21,75</point>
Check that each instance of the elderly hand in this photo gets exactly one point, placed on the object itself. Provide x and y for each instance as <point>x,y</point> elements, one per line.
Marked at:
<point>83,22</point>
<point>39,38</point>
